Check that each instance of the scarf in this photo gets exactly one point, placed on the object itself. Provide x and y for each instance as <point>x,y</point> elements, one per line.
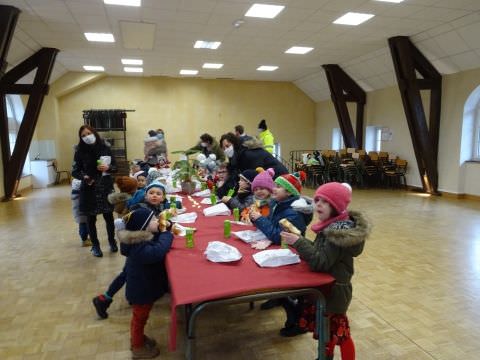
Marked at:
<point>319,226</point>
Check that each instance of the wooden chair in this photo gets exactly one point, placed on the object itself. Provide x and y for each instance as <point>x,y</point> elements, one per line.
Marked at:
<point>59,173</point>
<point>396,174</point>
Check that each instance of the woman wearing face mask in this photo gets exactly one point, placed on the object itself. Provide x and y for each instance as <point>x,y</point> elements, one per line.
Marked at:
<point>93,163</point>
<point>208,145</point>
<point>248,155</point>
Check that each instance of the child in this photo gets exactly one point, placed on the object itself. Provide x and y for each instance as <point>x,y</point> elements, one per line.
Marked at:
<point>286,190</point>
<point>224,181</point>
<point>156,199</point>
<point>341,236</point>
<point>127,186</point>
<point>262,186</point>
<point>81,220</point>
<point>244,197</point>
<point>145,248</point>
<point>139,195</point>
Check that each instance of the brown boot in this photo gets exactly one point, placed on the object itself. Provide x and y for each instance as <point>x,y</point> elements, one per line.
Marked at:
<point>145,352</point>
<point>147,342</point>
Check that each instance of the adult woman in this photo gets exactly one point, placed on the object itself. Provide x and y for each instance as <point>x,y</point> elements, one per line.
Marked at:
<point>208,145</point>
<point>92,164</point>
<point>248,155</point>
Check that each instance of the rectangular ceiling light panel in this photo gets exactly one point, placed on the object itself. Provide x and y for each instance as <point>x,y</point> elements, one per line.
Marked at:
<point>264,11</point>
<point>352,18</point>
<point>133,69</point>
<point>123,2</point>
<point>212,66</point>
<point>299,50</point>
<point>93,68</point>
<point>267,68</point>
<point>132,61</point>
<point>99,37</point>
<point>188,72</point>
<point>213,45</point>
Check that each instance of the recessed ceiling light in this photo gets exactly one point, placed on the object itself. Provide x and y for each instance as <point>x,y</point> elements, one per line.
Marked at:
<point>188,72</point>
<point>102,37</point>
<point>264,11</point>
<point>133,69</point>
<point>124,2</point>
<point>299,50</point>
<point>267,68</point>
<point>391,1</point>
<point>200,44</point>
<point>132,61</point>
<point>353,18</point>
<point>93,68</point>
<point>212,66</point>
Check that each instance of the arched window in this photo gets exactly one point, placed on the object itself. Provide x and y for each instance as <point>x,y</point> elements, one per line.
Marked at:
<point>15,111</point>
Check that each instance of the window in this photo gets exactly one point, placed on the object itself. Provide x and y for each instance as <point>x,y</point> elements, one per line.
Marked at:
<point>277,151</point>
<point>476,136</point>
<point>373,138</point>
<point>337,139</point>
<point>15,113</point>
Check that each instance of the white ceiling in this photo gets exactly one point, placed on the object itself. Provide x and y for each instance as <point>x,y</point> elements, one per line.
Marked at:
<point>446,31</point>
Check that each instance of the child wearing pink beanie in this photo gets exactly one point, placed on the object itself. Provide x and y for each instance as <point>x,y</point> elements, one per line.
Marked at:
<point>262,187</point>
<point>341,236</point>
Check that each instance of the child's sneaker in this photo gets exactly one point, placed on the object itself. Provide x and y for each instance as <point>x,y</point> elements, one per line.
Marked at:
<point>101,304</point>
<point>87,242</point>
<point>145,352</point>
<point>148,342</point>
<point>291,331</point>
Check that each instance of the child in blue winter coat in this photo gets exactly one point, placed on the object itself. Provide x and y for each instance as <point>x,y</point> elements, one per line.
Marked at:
<point>156,201</point>
<point>286,190</point>
<point>145,248</point>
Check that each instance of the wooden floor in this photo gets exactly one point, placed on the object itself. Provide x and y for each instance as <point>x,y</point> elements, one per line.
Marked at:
<point>416,289</point>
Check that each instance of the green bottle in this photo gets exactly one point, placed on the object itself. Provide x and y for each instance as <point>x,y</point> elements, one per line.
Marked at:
<point>213,199</point>
<point>189,238</point>
<point>236,214</point>
<point>230,192</point>
<point>226,229</point>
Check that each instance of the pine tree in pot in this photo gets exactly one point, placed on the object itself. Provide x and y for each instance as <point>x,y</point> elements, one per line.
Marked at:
<point>186,173</point>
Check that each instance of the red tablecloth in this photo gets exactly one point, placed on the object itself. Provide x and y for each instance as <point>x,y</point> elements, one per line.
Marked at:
<point>194,279</point>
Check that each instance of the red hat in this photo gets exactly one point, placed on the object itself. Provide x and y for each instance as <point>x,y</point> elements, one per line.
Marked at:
<point>291,182</point>
<point>338,195</point>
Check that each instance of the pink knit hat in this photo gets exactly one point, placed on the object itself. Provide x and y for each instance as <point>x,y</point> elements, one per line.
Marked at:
<point>338,195</point>
<point>264,179</point>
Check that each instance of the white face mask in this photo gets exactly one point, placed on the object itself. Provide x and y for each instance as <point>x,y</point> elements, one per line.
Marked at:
<point>229,151</point>
<point>203,144</point>
<point>89,139</point>
<point>260,130</point>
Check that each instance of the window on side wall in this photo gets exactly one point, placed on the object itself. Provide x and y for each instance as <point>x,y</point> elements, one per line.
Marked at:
<point>373,138</point>
<point>15,111</point>
<point>337,139</point>
<point>476,136</point>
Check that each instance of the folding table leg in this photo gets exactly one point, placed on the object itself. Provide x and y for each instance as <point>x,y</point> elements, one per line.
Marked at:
<point>322,329</point>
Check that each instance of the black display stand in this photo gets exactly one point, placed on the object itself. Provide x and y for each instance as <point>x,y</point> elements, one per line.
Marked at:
<point>112,126</point>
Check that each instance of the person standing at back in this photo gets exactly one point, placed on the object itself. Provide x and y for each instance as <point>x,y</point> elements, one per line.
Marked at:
<point>92,164</point>
<point>240,133</point>
<point>266,136</point>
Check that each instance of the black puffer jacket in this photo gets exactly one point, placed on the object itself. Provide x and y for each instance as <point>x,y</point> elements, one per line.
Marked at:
<point>251,155</point>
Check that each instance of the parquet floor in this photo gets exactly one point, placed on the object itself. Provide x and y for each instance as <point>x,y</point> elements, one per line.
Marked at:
<point>416,289</point>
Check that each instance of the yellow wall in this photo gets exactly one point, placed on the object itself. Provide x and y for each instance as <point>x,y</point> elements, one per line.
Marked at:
<point>186,108</point>
<point>384,108</point>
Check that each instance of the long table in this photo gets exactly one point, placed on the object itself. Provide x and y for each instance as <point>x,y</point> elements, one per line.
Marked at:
<point>197,283</point>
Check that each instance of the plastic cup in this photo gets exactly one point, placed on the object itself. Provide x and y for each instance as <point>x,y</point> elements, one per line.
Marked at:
<point>236,214</point>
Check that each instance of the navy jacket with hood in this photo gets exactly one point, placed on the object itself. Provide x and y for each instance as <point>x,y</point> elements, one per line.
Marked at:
<point>145,266</point>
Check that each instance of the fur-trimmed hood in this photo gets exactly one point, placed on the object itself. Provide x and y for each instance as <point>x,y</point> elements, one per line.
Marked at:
<point>253,143</point>
<point>352,238</point>
<point>117,197</point>
<point>128,237</point>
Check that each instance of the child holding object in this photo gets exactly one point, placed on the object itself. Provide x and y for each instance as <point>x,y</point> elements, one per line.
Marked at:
<point>262,187</point>
<point>244,197</point>
<point>286,190</point>
<point>145,248</point>
<point>341,236</point>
